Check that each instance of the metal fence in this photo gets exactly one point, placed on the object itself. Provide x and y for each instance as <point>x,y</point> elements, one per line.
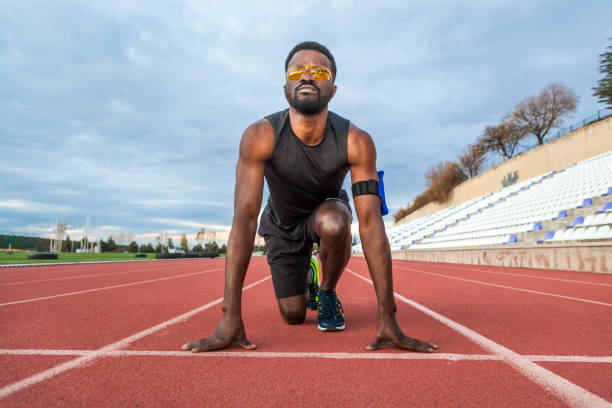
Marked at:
<point>601,114</point>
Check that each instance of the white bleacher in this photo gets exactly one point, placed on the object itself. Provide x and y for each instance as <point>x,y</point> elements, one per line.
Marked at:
<point>497,218</point>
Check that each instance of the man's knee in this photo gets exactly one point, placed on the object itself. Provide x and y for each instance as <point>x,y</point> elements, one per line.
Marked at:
<point>334,222</point>
<point>294,316</point>
<point>293,310</point>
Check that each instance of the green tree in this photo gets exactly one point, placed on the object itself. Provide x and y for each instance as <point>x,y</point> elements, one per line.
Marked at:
<point>147,249</point>
<point>223,249</point>
<point>198,248</point>
<point>111,245</point>
<point>133,246</point>
<point>66,244</point>
<point>42,245</point>
<point>603,90</point>
<point>212,247</point>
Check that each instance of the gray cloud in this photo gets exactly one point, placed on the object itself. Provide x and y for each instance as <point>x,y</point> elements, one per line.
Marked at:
<point>131,112</point>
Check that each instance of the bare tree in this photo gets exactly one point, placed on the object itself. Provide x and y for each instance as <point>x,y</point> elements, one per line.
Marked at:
<point>538,114</point>
<point>201,236</point>
<point>472,158</point>
<point>442,178</point>
<point>503,138</point>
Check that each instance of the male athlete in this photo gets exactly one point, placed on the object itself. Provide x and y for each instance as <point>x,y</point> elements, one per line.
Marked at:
<point>304,154</point>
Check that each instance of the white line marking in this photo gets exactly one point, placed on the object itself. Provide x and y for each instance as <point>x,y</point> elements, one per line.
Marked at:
<point>505,287</point>
<point>522,275</point>
<point>108,287</point>
<point>83,276</point>
<point>99,353</point>
<point>330,355</point>
<point>565,390</point>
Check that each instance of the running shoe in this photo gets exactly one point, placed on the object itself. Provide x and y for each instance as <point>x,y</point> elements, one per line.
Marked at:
<point>330,313</point>
<point>313,283</point>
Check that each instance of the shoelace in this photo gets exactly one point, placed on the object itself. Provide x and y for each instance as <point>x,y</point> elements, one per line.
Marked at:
<point>333,307</point>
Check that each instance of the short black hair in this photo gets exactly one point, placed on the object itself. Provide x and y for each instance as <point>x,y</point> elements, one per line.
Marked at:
<point>312,45</point>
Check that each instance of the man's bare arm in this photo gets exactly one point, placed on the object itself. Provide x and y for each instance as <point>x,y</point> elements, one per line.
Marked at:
<point>362,159</point>
<point>255,148</point>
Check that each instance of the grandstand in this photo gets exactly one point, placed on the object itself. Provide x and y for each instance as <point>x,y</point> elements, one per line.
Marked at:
<point>570,207</point>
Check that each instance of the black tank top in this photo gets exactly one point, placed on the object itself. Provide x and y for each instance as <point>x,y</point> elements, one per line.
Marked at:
<point>301,177</point>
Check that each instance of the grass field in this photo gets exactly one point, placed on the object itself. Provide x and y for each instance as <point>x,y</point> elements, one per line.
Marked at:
<point>22,257</point>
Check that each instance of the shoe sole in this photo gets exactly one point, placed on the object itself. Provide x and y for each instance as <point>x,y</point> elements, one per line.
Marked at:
<point>331,329</point>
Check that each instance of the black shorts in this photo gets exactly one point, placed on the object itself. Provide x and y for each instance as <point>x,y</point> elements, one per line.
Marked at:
<point>289,250</point>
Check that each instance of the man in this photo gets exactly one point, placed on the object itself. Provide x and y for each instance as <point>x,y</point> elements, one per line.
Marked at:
<point>304,154</point>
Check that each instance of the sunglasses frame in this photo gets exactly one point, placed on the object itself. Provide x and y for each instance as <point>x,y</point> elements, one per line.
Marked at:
<point>309,69</point>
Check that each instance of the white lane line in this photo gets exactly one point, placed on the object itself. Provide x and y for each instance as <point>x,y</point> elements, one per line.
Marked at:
<point>99,353</point>
<point>108,287</point>
<point>84,276</point>
<point>565,390</point>
<point>522,275</point>
<point>537,292</point>
<point>328,355</point>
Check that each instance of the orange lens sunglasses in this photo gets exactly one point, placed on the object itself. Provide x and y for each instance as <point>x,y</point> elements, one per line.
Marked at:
<point>321,72</point>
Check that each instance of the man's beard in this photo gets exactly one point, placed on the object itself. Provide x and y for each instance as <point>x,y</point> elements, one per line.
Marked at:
<point>308,105</point>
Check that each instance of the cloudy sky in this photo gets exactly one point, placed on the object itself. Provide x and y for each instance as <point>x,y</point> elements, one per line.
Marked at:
<point>130,112</point>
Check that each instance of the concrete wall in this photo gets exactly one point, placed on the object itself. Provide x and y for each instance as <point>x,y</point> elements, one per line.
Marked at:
<point>582,257</point>
<point>558,154</point>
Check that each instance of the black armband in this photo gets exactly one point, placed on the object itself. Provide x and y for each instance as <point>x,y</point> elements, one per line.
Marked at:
<point>374,187</point>
<point>365,187</point>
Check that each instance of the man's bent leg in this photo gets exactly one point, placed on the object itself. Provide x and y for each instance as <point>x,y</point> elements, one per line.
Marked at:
<point>293,309</point>
<point>333,227</point>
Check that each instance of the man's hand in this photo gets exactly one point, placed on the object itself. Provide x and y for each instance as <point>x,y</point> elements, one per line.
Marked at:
<point>230,332</point>
<point>390,333</point>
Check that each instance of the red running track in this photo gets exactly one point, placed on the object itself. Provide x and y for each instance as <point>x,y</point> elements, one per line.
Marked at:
<point>110,335</point>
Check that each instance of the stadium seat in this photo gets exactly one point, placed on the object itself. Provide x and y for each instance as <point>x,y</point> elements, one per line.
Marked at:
<point>578,233</point>
<point>590,233</point>
<point>603,232</point>
<point>606,208</point>
<point>526,206</point>
<point>577,221</point>
<point>587,201</point>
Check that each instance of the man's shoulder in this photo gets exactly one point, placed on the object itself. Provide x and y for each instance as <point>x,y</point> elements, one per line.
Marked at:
<point>355,132</point>
<point>259,128</point>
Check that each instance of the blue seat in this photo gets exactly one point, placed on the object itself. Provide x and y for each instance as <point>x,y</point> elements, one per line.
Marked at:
<point>562,214</point>
<point>536,227</point>
<point>577,221</point>
<point>587,201</point>
<point>511,240</point>
<point>549,236</point>
<point>606,208</point>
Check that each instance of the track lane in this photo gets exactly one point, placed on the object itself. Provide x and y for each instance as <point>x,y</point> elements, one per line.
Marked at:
<point>527,323</point>
<point>89,321</point>
<point>566,391</point>
<point>100,353</point>
<point>217,381</point>
<point>84,289</point>
<point>600,292</point>
<point>265,327</point>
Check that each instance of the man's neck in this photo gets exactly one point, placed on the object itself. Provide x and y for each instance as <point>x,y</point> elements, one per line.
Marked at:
<point>308,128</point>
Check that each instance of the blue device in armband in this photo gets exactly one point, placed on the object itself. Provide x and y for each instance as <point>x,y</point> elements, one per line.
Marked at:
<point>381,193</point>
<point>372,187</point>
